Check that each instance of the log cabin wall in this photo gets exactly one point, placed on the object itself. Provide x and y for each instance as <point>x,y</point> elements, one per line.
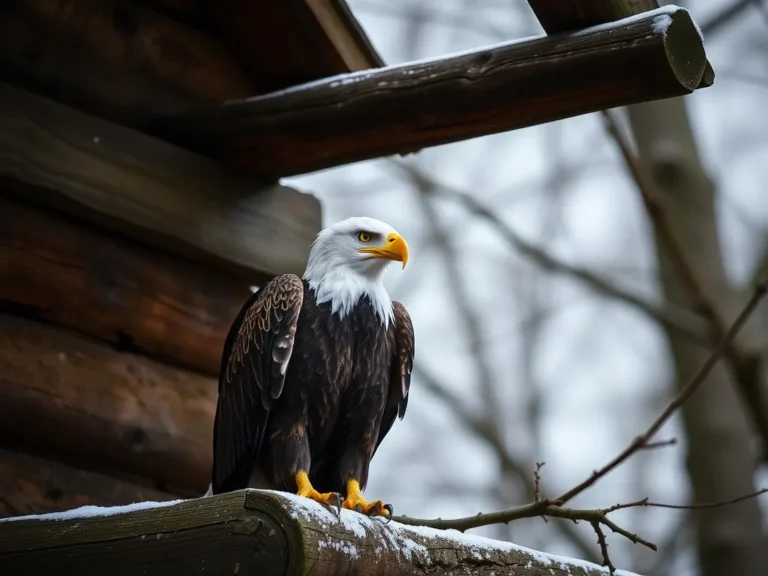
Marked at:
<point>124,259</point>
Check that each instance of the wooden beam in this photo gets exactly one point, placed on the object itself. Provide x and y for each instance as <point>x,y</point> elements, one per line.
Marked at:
<point>74,275</point>
<point>258,532</point>
<point>115,59</point>
<point>153,191</point>
<point>404,108</point>
<point>31,485</point>
<point>101,410</point>
<point>314,39</point>
<point>558,16</point>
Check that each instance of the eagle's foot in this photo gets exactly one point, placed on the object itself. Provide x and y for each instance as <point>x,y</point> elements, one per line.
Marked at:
<point>330,499</point>
<point>356,502</point>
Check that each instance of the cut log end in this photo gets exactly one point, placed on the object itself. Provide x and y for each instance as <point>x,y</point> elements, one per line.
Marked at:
<point>684,47</point>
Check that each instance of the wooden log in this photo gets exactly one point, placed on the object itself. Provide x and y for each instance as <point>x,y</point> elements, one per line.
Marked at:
<point>114,58</point>
<point>151,190</point>
<point>75,275</point>
<point>102,410</point>
<point>257,532</point>
<point>404,108</point>
<point>558,16</point>
<point>30,485</point>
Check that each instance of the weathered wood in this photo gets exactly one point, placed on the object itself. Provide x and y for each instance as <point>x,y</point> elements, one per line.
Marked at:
<point>259,532</point>
<point>152,190</point>
<point>102,410</point>
<point>138,299</point>
<point>31,485</point>
<point>557,16</point>
<point>314,39</point>
<point>115,59</point>
<point>404,108</point>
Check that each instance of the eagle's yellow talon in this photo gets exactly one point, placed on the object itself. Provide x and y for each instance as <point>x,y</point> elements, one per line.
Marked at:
<point>305,489</point>
<point>356,502</point>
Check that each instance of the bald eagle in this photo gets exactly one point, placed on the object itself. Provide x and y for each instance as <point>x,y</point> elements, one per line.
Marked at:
<point>315,371</point>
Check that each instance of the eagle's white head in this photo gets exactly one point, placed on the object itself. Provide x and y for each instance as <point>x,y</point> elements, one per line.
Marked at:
<point>347,261</point>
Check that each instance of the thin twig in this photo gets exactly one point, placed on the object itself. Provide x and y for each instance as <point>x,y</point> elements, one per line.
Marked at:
<point>601,541</point>
<point>545,507</point>
<point>677,401</point>
<point>659,444</point>
<point>509,464</point>
<point>646,503</point>
<point>555,507</point>
<point>537,481</point>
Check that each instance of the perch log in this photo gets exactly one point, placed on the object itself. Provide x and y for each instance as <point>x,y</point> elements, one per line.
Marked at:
<point>256,532</point>
<point>403,108</point>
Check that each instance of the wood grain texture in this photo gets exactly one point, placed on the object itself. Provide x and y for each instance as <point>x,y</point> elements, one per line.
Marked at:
<point>31,485</point>
<point>403,108</point>
<point>114,58</point>
<point>209,536</point>
<point>151,190</point>
<point>102,410</point>
<point>258,532</point>
<point>138,299</point>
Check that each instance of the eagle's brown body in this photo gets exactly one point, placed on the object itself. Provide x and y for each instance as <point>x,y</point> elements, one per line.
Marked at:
<point>302,388</point>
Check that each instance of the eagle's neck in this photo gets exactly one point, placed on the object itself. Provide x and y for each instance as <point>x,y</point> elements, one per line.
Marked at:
<point>344,290</point>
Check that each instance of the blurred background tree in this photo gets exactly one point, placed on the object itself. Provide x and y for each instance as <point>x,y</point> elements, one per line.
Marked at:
<point>520,360</point>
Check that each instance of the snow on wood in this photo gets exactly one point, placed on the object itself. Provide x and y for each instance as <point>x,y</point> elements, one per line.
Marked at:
<point>93,511</point>
<point>310,536</point>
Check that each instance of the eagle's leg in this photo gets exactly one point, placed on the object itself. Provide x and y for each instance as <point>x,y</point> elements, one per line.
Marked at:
<point>304,488</point>
<point>355,501</point>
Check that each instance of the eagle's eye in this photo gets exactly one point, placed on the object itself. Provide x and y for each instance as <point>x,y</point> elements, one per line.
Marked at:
<point>364,237</point>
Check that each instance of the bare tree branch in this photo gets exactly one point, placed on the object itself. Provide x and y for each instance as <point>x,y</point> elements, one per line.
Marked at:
<point>744,368</point>
<point>673,317</point>
<point>554,507</point>
<point>509,464</point>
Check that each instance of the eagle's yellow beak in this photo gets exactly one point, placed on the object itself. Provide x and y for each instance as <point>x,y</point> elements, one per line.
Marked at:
<point>395,248</point>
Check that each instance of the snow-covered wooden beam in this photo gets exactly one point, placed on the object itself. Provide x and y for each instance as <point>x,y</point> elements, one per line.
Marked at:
<point>404,108</point>
<point>254,532</point>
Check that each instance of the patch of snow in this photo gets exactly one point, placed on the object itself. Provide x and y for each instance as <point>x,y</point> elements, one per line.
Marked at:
<point>400,537</point>
<point>344,546</point>
<point>662,18</point>
<point>94,511</point>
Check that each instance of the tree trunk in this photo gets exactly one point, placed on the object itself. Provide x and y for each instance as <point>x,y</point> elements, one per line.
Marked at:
<point>719,461</point>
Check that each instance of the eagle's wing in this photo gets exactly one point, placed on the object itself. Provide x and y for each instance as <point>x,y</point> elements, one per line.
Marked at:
<point>254,362</point>
<point>400,373</point>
